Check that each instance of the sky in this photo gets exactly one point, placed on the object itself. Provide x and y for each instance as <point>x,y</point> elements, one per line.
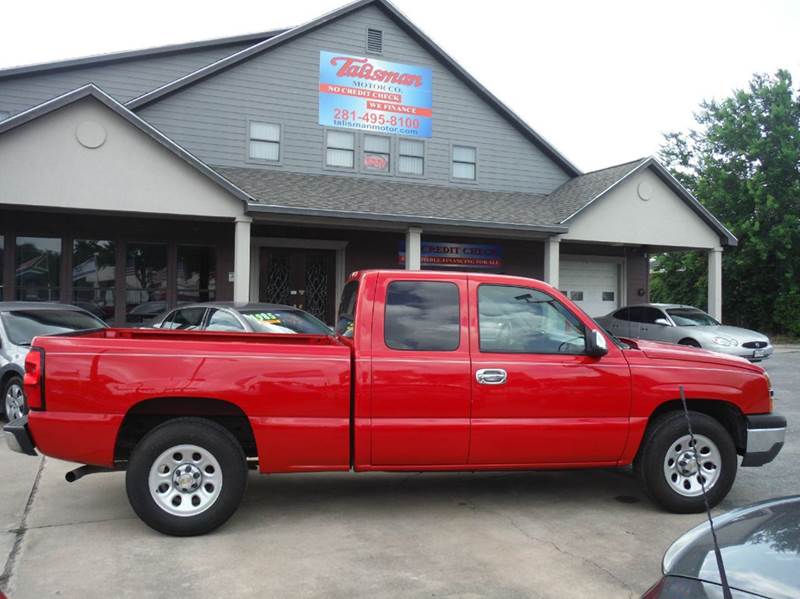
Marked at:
<point>602,81</point>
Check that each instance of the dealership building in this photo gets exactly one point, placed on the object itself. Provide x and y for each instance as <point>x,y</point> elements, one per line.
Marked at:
<point>267,167</point>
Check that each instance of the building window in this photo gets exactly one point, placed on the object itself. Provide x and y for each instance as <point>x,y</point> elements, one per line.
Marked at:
<point>197,273</point>
<point>340,149</point>
<point>94,274</point>
<point>265,141</point>
<point>38,268</point>
<point>376,153</point>
<point>411,157</point>
<point>465,162</point>
<point>145,281</point>
<point>422,316</point>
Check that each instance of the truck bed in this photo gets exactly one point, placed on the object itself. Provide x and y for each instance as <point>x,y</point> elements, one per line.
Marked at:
<point>294,391</point>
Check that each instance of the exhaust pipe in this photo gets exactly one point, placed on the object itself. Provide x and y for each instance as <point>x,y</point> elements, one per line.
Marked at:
<point>74,475</point>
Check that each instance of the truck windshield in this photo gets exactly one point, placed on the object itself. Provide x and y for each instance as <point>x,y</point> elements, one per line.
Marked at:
<point>23,325</point>
<point>285,321</point>
<point>691,317</point>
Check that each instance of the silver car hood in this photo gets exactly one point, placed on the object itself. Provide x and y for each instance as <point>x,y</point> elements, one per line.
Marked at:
<point>738,333</point>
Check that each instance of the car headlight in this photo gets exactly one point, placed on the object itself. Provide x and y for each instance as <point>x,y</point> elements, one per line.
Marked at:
<point>724,342</point>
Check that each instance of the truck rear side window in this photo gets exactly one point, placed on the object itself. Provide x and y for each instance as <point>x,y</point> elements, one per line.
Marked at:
<point>347,310</point>
<point>422,316</point>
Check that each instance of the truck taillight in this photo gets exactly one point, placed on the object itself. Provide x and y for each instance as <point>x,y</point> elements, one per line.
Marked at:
<point>34,379</point>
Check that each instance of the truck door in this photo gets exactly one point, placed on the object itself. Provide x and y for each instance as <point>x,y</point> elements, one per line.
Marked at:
<point>420,371</point>
<point>537,397</point>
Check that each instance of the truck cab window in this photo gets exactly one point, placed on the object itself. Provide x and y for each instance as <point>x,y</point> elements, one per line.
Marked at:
<point>347,310</point>
<point>521,320</point>
<point>422,316</point>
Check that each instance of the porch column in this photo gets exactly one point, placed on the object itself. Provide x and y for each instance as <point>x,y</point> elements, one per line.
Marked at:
<point>715,283</point>
<point>413,248</point>
<point>552,245</point>
<point>241,260</point>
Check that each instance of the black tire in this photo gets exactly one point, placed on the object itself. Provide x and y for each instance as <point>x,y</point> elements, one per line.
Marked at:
<point>13,380</point>
<point>658,441</point>
<point>689,342</point>
<point>206,434</point>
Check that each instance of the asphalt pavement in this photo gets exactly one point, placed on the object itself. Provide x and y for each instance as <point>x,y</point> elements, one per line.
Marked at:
<point>521,534</point>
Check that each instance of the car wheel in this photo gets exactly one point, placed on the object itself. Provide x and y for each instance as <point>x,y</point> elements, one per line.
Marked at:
<point>689,342</point>
<point>186,477</point>
<point>14,399</point>
<point>674,471</point>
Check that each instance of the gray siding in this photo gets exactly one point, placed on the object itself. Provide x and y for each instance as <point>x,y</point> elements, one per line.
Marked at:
<point>281,85</point>
<point>122,80</point>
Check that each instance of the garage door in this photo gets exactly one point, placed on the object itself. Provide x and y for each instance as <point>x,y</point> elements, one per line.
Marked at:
<point>592,284</point>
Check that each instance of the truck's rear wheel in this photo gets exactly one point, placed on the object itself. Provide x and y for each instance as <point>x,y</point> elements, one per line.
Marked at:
<point>674,470</point>
<point>186,477</point>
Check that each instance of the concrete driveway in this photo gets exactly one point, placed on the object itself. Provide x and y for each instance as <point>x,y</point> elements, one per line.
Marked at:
<point>544,534</point>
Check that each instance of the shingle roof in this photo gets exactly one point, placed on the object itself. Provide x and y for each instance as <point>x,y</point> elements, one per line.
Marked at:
<point>578,192</point>
<point>372,199</point>
<point>110,57</point>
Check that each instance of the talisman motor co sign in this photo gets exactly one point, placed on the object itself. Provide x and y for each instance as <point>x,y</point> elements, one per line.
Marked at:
<point>374,95</point>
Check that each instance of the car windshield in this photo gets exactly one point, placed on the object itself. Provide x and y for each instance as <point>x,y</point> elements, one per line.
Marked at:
<point>285,321</point>
<point>691,317</point>
<point>23,325</point>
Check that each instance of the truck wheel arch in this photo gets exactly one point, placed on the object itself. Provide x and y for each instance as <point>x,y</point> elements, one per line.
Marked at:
<point>144,416</point>
<point>726,413</point>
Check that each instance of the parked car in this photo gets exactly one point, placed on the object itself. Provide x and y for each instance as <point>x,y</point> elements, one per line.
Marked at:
<point>239,318</point>
<point>428,371</point>
<point>20,322</point>
<point>760,547</point>
<point>686,325</point>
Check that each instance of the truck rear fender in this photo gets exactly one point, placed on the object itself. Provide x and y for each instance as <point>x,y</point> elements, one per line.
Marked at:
<point>148,414</point>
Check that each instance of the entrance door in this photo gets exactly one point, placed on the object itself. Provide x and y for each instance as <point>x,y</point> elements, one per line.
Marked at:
<point>301,278</point>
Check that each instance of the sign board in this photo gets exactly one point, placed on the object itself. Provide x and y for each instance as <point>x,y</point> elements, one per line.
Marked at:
<point>374,95</point>
<point>475,256</point>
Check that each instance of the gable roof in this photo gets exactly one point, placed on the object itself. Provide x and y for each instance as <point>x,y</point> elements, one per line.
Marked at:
<point>340,196</point>
<point>571,198</point>
<point>407,26</point>
<point>95,92</point>
<point>112,57</point>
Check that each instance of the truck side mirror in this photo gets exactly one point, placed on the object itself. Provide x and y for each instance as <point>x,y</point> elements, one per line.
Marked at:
<point>596,345</point>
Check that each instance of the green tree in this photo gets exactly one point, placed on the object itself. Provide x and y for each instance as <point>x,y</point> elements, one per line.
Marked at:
<point>743,164</point>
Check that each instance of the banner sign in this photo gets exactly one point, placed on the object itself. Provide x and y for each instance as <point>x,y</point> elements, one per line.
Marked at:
<point>374,95</point>
<point>477,256</point>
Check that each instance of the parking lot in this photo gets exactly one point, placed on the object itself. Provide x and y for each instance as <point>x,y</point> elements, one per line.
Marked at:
<point>541,534</point>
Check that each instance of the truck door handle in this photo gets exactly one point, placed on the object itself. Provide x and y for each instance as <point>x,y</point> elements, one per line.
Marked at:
<point>491,376</point>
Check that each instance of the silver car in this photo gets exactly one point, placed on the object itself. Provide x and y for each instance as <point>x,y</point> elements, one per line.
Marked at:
<point>20,322</point>
<point>686,325</point>
<point>242,318</point>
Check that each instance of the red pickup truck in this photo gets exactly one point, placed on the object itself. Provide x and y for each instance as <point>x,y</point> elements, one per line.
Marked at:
<point>426,371</point>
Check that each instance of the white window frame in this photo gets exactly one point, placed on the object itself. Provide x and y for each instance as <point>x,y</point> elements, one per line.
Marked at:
<point>250,139</point>
<point>364,152</point>
<point>325,148</point>
<point>453,162</point>
<point>424,157</point>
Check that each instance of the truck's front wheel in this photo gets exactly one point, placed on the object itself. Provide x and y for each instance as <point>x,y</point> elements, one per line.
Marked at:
<point>675,470</point>
<point>186,477</point>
